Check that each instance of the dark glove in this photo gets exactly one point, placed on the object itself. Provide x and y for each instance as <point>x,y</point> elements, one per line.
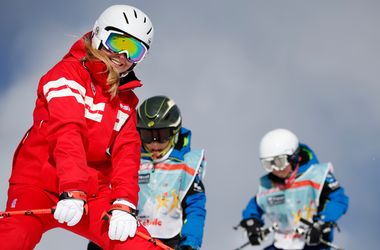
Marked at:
<point>253,227</point>
<point>315,233</point>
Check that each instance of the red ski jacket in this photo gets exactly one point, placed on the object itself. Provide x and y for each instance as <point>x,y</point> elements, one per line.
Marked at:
<point>81,138</point>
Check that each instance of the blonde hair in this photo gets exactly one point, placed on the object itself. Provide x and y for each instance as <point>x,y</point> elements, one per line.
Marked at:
<point>113,79</point>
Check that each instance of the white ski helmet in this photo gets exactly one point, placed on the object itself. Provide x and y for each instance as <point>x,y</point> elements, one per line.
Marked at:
<point>278,142</point>
<point>122,18</point>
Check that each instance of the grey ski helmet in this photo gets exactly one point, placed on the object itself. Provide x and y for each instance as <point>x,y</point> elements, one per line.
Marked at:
<point>159,112</point>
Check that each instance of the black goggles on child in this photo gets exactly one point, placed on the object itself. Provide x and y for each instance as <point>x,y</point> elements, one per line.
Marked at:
<point>159,135</point>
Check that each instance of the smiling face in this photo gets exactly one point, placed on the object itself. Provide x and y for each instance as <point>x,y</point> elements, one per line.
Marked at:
<point>119,61</point>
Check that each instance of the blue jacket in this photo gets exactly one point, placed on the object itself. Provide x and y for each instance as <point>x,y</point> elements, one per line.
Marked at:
<point>333,201</point>
<point>194,203</point>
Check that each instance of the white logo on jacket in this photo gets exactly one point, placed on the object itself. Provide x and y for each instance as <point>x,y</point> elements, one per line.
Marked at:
<point>125,107</point>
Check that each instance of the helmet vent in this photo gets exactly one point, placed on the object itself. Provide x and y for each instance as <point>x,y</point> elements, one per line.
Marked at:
<point>149,31</point>
<point>144,19</point>
<point>135,13</point>
<point>126,18</point>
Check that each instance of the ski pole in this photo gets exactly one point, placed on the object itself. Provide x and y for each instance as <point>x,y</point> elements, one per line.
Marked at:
<point>243,246</point>
<point>52,210</point>
<point>327,243</point>
<point>27,212</point>
<point>265,232</point>
<point>153,240</point>
<point>106,217</point>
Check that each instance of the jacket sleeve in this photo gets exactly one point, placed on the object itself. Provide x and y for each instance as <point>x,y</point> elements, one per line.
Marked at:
<point>194,207</point>
<point>66,131</point>
<point>126,162</point>
<point>253,210</point>
<point>334,201</point>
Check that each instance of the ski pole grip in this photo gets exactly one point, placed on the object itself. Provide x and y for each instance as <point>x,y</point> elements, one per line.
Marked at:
<point>306,222</point>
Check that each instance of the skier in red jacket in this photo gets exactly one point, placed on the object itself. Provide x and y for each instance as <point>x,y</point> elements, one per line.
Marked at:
<point>82,153</point>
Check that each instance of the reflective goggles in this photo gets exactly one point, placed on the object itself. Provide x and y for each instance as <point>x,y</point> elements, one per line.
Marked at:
<point>160,135</point>
<point>122,44</point>
<point>277,163</point>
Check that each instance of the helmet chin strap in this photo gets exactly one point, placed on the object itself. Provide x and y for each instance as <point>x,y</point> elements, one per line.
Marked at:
<point>163,156</point>
<point>292,175</point>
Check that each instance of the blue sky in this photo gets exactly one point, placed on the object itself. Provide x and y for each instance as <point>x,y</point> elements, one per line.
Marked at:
<point>237,69</point>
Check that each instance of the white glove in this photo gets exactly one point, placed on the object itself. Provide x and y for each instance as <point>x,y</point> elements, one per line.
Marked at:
<point>69,210</point>
<point>122,224</point>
